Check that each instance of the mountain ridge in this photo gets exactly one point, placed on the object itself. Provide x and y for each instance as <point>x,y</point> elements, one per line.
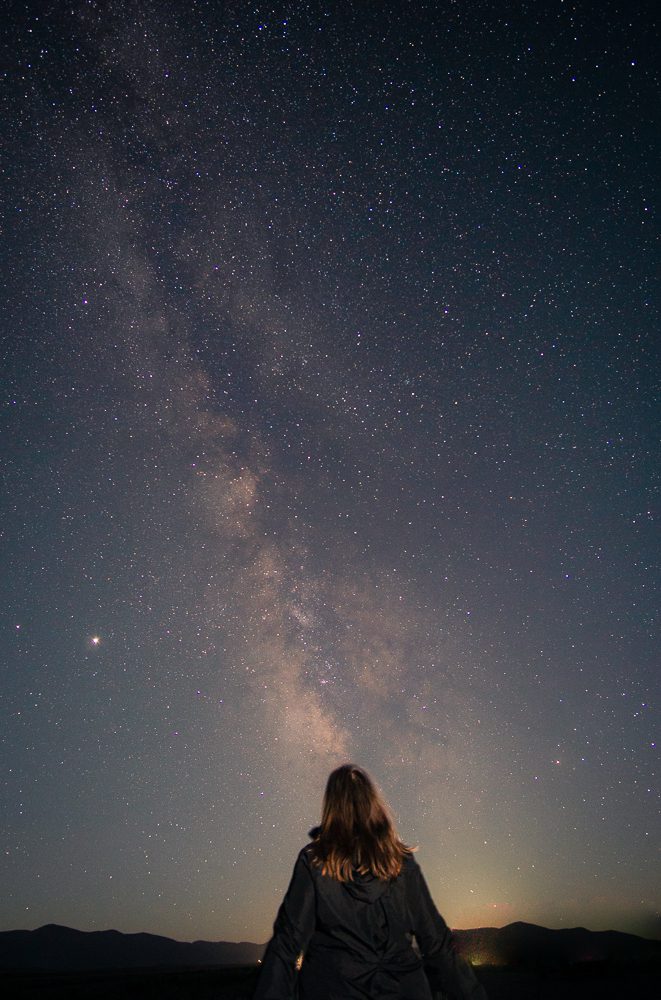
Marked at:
<point>54,947</point>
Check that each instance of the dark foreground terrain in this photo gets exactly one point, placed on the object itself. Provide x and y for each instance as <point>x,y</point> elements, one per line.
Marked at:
<point>517,962</point>
<point>591,981</point>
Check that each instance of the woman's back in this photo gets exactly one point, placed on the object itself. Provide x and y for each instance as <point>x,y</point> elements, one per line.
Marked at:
<point>353,928</point>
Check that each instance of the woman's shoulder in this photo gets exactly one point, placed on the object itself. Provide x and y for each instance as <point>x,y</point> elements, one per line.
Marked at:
<point>309,851</point>
<point>410,866</point>
<point>306,853</point>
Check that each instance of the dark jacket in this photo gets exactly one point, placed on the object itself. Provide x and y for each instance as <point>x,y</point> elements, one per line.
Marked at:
<point>356,939</point>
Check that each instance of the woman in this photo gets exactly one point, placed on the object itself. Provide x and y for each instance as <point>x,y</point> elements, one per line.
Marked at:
<point>355,901</point>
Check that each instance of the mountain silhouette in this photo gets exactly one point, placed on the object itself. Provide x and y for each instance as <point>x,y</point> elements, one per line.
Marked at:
<point>528,944</point>
<point>56,948</point>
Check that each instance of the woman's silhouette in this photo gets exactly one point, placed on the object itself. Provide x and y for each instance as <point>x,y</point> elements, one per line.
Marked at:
<point>356,900</point>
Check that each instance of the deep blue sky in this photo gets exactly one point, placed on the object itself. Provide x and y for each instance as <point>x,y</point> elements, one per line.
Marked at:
<point>330,339</point>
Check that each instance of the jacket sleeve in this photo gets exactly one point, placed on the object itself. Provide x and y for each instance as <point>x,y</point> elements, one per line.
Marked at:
<point>293,928</point>
<point>446,970</point>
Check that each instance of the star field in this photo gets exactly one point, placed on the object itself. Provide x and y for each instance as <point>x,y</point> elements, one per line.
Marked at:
<point>329,431</point>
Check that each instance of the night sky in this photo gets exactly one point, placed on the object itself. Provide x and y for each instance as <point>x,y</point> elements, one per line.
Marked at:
<point>330,344</point>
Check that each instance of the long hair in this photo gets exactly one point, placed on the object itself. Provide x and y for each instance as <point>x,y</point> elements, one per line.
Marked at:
<point>357,833</point>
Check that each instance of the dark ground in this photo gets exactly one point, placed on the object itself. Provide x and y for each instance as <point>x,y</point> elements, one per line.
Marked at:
<point>596,981</point>
<point>132,984</point>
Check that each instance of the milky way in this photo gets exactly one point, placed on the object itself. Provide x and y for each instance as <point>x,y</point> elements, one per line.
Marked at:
<point>330,347</point>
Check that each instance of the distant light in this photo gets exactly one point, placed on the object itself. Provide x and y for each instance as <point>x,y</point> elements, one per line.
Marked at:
<point>96,640</point>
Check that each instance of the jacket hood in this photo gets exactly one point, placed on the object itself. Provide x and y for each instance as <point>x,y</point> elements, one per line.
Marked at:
<point>366,888</point>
